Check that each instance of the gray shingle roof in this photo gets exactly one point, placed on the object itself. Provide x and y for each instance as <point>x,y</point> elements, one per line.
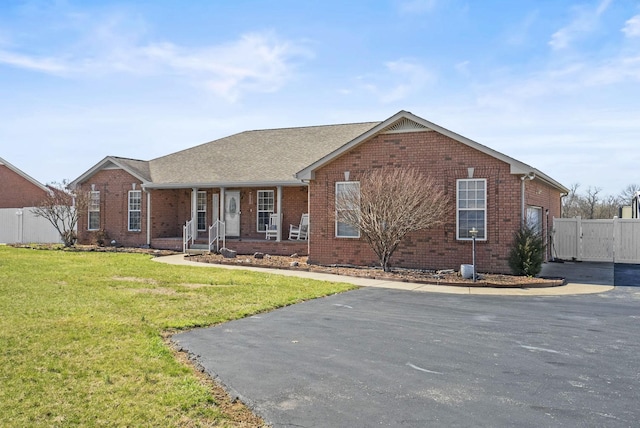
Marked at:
<point>265,156</point>
<point>139,167</point>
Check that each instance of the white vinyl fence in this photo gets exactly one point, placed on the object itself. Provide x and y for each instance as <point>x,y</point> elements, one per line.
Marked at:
<point>616,240</point>
<point>20,225</point>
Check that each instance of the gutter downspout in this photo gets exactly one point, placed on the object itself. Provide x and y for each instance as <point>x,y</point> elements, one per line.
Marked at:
<point>279,208</point>
<point>529,176</point>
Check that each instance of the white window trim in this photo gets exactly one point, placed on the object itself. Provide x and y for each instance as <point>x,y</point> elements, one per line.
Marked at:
<point>458,209</point>
<point>129,210</point>
<point>539,226</point>
<point>201,208</point>
<point>91,209</point>
<point>338,183</point>
<point>258,210</point>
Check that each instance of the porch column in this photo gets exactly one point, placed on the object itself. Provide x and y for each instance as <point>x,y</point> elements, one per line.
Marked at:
<point>194,210</point>
<point>310,219</point>
<point>221,207</point>
<point>279,208</point>
<point>148,217</point>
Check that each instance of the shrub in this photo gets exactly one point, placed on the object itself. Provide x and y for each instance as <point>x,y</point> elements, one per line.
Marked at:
<point>101,238</point>
<point>527,253</point>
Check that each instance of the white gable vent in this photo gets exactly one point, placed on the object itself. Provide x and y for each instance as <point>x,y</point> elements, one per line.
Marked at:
<point>405,125</point>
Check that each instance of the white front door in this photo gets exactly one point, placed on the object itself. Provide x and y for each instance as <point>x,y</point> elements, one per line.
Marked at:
<point>232,212</point>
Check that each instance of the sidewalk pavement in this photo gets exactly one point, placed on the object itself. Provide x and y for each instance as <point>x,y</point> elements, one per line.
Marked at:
<point>570,288</point>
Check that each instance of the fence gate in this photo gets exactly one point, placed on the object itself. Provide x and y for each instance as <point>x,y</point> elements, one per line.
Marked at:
<point>615,240</point>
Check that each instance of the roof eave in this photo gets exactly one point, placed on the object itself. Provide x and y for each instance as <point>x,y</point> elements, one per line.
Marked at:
<point>97,167</point>
<point>221,184</point>
<point>519,168</point>
<point>25,175</point>
<point>516,166</point>
<point>308,173</point>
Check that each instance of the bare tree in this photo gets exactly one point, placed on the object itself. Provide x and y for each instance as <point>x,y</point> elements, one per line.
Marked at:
<point>608,207</point>
<point>571,202</point>
<point>388,204</point>
<point>592,205</point>
<point>591,201</point>
<point>628,193</point>
<point>61,208</point>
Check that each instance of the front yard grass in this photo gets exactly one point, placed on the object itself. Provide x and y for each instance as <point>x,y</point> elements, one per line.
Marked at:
<point>81,335</point>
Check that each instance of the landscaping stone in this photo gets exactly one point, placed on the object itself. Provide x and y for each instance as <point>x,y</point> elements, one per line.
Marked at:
<point>227,253</point>
<point>258,255</point>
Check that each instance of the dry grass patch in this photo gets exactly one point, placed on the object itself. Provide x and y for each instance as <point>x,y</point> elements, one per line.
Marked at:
<point>135,279</point>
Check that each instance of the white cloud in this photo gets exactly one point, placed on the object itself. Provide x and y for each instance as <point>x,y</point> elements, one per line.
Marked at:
<point>256,62</point>
<point>417,6</point>
<point>585,22</point>
<point>518,34</point>
<point>413,77</point>
<point>253,63</point>
<point>632,27</point>
<point>569,80</point>
<point>46,65</point>
<point>463,68</point>
<point>401,80</point>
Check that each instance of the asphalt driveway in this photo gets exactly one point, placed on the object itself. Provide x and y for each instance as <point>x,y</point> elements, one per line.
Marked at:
<point>378,357</point>
<point>627,275</point>
<point>618,274</point>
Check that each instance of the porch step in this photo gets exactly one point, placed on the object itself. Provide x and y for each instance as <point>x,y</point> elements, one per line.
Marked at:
<point>193,252</point>
<point>198,249</point>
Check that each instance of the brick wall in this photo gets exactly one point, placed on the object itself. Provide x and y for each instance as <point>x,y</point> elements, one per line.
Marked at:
<point>170,210</point>
<point>114,185</point>
<point>445,160</point>
<point>18,192</point>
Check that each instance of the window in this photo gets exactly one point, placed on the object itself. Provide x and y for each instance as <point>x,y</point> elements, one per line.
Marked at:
<point>135,210</point>
<point>472,208</point>
<point>201,210</point>
<point>534,219</point>
<point>265,201</point>
<point>346,189</point>
<point>94,210</point>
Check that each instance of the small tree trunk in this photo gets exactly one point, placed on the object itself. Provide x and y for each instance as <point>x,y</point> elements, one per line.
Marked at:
<point>385,262</point>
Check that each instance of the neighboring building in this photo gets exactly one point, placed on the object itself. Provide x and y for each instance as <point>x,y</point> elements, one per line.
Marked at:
<point>245,178</point>
<point>19,190</point>
<point>18,194</point>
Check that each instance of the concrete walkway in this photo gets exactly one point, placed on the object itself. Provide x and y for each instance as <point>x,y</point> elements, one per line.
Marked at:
<point>600,284</point>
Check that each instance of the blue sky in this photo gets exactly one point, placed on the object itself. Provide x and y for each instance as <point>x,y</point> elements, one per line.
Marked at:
<point>552,83</point>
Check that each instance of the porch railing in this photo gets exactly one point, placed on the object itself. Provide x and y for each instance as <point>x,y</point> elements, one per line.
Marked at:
<point>216,234</point>
<point>187,235</point>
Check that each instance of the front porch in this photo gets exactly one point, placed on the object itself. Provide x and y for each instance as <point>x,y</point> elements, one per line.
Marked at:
<point>242,246</point>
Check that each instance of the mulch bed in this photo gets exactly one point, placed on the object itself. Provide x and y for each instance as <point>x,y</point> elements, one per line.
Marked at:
<point>441,277</point>
<point>434,277</point>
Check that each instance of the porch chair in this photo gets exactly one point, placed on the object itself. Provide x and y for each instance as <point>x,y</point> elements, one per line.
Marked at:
<point>300,232</point>
<point>272,227</point>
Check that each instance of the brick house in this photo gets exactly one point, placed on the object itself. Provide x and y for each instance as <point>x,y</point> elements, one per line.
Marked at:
<point>19,190</point>
<point>245,178</point>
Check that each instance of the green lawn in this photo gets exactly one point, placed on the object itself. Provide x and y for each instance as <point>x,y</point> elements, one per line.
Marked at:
<point>81,335</point>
